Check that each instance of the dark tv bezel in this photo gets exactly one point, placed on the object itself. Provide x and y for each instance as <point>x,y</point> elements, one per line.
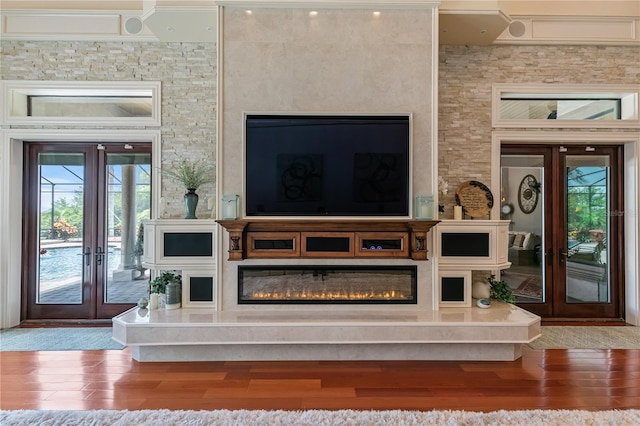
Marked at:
<point>409,172</point>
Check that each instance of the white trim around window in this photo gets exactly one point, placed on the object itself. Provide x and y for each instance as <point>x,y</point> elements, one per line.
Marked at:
<point>626,96</point>
<point>16,96</point>
<point>11,169</point>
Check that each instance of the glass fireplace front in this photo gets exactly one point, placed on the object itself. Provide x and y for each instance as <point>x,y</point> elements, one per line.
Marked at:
<point>310,284</point>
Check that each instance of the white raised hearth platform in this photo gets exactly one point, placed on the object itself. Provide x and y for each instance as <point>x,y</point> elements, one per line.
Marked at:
<point>494,334</point>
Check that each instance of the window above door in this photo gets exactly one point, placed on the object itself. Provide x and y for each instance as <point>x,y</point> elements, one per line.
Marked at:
<point>81,103</point>
<point>565,106</point>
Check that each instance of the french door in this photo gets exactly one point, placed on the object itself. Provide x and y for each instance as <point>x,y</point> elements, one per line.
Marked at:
<point>566,232</point>
<point>83,205</point>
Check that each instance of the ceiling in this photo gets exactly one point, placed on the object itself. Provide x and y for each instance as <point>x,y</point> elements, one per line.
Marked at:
<point>475,27</point>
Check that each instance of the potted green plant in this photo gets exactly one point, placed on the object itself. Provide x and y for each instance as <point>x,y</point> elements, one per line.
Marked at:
<point>158,288</point>
<point>500,290</point>
<point>192,174</point>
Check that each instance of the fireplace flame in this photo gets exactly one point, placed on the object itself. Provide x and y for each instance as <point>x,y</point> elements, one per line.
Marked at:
<point>317,285</point>
<point>324,295</point>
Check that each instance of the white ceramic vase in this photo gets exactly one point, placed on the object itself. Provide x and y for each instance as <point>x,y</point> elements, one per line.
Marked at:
<point>481,290</point>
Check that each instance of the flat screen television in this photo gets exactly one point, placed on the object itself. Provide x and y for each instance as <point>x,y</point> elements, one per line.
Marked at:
<point>327,165</point>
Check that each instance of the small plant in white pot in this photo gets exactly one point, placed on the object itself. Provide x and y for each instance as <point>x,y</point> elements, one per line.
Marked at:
<point>158,289</point>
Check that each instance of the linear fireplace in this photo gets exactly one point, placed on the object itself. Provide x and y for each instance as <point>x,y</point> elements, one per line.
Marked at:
<point>311,284</point>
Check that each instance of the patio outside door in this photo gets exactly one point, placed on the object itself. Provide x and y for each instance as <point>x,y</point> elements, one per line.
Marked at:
<point>566,237</point>
<point>83,206</point>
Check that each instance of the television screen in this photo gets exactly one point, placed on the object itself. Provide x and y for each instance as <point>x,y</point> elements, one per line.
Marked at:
<point>326,165</point>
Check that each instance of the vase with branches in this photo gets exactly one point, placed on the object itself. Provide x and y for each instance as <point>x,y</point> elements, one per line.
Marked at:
<point>191,174</point>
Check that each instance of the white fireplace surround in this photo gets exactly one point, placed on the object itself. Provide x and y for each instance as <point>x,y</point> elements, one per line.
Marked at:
<point>344,59</point>
<point>161,335</point>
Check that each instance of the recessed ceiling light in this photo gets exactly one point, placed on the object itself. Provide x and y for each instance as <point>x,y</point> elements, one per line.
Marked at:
<point>248,12</point>
<point>483,31</point>
<point>444,30</point>
<point>210,29</point>
<point>170,29</point>
<point>313,13</point>
<point>376,13</point>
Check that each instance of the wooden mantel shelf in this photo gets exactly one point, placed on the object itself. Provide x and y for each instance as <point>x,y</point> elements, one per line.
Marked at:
<point>406,238</point>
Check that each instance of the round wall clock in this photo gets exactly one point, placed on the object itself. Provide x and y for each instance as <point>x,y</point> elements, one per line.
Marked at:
<point>528,194</point>
<point>507,209</point>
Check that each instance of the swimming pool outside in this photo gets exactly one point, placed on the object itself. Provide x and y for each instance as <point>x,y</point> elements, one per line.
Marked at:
<point>65,262</point>
<point>61,269</point>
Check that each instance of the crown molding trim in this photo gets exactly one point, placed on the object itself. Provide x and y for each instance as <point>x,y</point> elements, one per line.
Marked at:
<point>572,30</point>
<point>332,4</point>
<point>90,25</point>
<point>94,25</point>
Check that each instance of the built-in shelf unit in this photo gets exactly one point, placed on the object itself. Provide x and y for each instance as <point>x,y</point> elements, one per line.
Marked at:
<point>189,246</point>
<point>463,246</point>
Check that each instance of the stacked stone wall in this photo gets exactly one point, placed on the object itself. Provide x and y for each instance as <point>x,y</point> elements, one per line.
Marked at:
<point>187,72</point>
<point>466,75</point>
<point>188,75</point>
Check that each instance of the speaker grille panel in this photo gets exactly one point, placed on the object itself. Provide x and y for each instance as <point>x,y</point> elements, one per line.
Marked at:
<point>133,26</point>
<point>517,29</point>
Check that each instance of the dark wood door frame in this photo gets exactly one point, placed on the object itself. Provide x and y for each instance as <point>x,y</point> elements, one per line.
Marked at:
<point>30,232</point>
<point>615,308</point>
<point>93,285</point>
<point>555,233</point>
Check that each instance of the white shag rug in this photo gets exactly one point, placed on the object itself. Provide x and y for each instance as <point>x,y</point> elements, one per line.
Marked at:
<point>318,418</point>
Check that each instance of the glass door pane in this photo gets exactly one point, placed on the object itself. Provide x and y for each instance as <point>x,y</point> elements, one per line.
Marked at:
<point>62,263</point>
<point>128,203</point>
<point>587,257</point>
<point>522,202</point>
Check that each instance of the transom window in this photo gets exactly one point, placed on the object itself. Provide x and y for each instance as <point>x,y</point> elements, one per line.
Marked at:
<point>554,105</point>
<point>104,103</point>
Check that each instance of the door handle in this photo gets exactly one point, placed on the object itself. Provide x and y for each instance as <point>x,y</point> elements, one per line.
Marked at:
<point>549,255</point>
<point>562,254</point>
<point>99,255</point>
<point>87,256</point>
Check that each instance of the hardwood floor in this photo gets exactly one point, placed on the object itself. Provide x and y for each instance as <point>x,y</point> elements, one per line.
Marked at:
<point>552,379</point>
